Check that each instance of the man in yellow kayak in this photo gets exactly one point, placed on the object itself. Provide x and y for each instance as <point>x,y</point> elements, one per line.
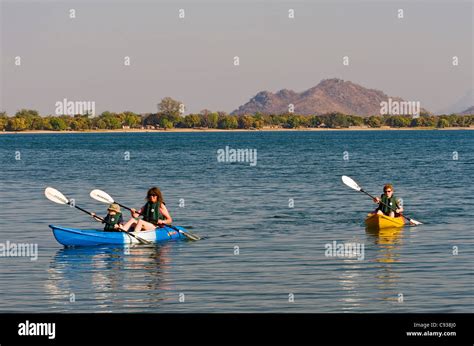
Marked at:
<point>388,199</point>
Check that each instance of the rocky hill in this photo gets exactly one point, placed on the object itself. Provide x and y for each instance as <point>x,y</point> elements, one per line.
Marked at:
<point>330,95</point>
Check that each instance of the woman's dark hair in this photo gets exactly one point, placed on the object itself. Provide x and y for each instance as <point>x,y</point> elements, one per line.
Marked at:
<point>155,191</point>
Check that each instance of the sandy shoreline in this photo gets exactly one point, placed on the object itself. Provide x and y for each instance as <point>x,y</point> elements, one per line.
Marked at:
<point>355,128</point>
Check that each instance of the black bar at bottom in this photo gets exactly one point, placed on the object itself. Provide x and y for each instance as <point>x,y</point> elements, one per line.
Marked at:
<point>291,329</point>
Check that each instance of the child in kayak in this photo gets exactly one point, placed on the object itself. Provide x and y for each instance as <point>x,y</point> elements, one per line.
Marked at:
<point>113,220</point>
<point>154,213</point>
<point>388,199</point>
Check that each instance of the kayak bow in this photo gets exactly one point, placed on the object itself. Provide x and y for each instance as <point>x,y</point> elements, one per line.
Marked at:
<point>90,237</point>
<point>383,221</point>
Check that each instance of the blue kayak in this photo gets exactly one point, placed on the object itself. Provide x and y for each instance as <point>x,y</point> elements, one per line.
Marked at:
<point>89,237</point>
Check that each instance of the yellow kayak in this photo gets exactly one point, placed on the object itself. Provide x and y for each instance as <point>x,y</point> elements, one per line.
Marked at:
<point>383,221</point>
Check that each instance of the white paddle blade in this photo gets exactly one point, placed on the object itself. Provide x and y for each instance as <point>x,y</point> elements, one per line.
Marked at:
<point>101,196</point>
<point>351,183</point>
<point>415,223</point>
<point>55,196</point>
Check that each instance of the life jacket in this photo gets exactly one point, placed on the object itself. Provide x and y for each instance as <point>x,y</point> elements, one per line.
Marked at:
<point>112,220</point>
<point>151,213</point>
<point>392,202</point>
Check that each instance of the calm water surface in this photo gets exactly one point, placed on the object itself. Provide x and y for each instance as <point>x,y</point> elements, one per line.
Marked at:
<point>281,249</point>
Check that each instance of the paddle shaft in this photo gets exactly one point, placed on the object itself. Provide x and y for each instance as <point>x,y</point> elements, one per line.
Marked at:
<point>394,210</point>
<point>143,241</point>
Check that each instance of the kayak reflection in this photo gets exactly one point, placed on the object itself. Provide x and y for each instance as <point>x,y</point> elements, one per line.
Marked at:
<point>388,241</point>
<point>108,279</point>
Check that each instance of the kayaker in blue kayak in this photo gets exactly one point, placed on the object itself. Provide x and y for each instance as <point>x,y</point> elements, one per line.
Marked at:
<point>388,199</point>
<point>113,220</point>
<point>154,213</point>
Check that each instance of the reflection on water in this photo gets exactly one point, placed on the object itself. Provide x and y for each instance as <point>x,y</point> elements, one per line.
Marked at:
<point>129,276</point>
<point>350,284</point>
<point>388,242</point>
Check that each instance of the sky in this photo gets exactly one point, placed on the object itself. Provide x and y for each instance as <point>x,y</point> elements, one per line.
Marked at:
<point>192,59</point>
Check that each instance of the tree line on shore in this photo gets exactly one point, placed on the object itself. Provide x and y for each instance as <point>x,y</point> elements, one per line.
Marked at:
<point>170,117</point>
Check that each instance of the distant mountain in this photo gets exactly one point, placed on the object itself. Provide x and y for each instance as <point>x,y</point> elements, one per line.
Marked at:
<point>330,95</point>
<point>468,111</point>
<point>467,100</point>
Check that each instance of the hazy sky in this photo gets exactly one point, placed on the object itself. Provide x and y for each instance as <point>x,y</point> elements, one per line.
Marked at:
<point>191,60</point>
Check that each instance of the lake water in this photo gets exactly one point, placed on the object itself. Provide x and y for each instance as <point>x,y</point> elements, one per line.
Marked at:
<point>266,226</point>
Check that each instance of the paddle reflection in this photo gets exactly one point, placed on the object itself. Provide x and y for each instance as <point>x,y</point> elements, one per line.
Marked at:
<point>125,277</point>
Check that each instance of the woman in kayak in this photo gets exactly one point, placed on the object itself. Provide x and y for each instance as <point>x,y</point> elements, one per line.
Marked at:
<point>113,220</point>
<point>388,199</point>
<point>154,213</point>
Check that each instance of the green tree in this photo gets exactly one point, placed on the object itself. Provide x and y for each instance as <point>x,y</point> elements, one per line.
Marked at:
<point>75,125</point>
<point>3,120</point>
<point>463,120</point>
<point>166,124</point>
<point>101,124</point>
<point>336,120</point>
<point>315,121</point>
<point>105,114</point>
<point>152,119</point>
<point>277,120</point>
<point>293,122</point>
<point>373,121</point>
<point>355,120</point>
<point>113,122</point>
<point>258,123</point>
<point>246,121</point>
<point>58,124</point>
<point>46,124</point>
<point>429,121</point>
<point>170,107</point>
<point>26,113</point>
<point>453,119</point>
<point>192,121</point>
<point>36,123</point>
<point>227,122</point>
<point>442,123</point>
<point>417,122</point>
<point>131,119</point>
<point>257,119</point>
<point>211,120</point>
<point>30,117</point>
<point>16,124</point>
<point>80,123</point>
<point>398,121</point>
